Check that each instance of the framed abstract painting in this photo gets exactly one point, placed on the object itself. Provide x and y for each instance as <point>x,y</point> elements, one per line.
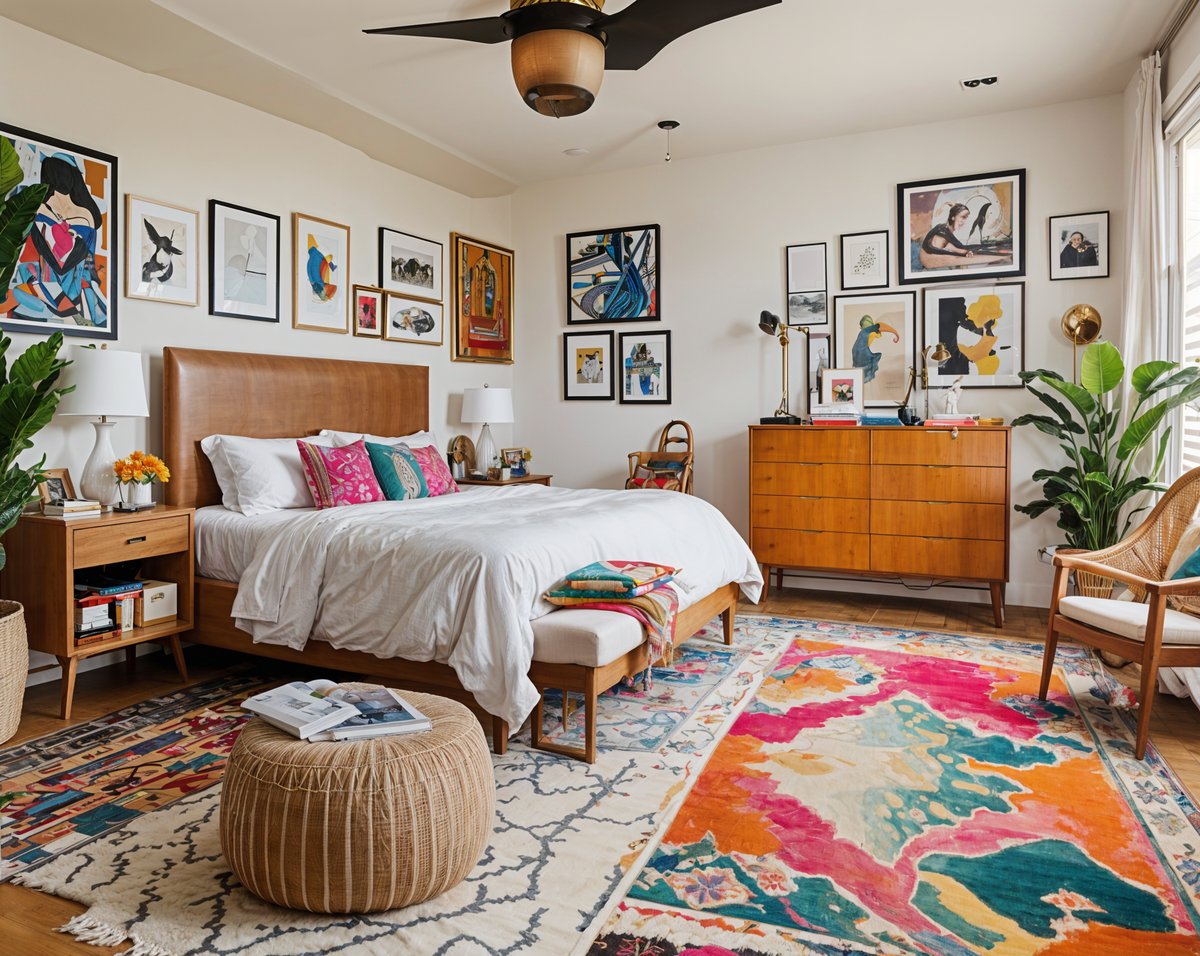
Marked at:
<point>807,284</point>
<point>412,320</point>
<point>410,265</point>
<point>983,327</point>
<point>1079,246</point>
<point>63,281</point>
<point>368,312</point>
<point>843,387</point>
<point>612,275</point>
<point>961,229</point>
<point>865,260</point>
<point>876,332</point>
<point>588,367</point>
<point>243,262</point>
<point>645,368</point>
<point>320,260</point>
<point>482,280</point>
<point>161,255</point>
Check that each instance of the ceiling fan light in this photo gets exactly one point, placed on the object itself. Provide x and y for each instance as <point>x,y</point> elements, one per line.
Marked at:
<point>558,72</point>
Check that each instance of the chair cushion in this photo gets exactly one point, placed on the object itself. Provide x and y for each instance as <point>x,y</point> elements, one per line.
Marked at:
<point>1128,619</point>
<point>584,636</point>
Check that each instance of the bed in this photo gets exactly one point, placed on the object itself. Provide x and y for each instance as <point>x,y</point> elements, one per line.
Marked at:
<point>358,589</point>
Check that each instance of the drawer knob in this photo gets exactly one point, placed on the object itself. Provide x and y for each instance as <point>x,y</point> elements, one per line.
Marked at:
<point>135,540</point>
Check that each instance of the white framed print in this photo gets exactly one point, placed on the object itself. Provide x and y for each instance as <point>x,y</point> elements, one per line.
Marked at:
<point>645,368</point>
<point>588,367</point>
<point>368,312</point>
<point>243,262</point>
<point>1079,246</point>
<point>865,260</point>
<point>413,320</point>
<point>807,284</point>
<point>842,388</point>
<point>162,260</point>
<point>320,263</point>
<point>410,265</point>
<point>876,332</point>
<point>983,327</point>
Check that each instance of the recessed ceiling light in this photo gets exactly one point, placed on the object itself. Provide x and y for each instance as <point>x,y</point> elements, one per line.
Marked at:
<point>575,151</point>
<point>977,81</point>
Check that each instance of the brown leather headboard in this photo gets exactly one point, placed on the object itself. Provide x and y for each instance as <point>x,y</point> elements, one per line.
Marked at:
<point>276,396</point>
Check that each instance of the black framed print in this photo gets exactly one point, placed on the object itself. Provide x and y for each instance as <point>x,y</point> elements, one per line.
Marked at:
<point>876,332</point>
<point>807,284</point>
<point>410,265</point>
<point>613,275</point>
<point>1078,246</point>
<point>962,228</point>
<point>243,262</point>
<point>983,327</point>
<point>588,363</point>
<point>865,262</point>
<point>645,368</point>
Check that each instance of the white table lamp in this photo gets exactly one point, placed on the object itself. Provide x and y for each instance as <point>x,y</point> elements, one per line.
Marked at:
<point>108,384</point>
<point>483,405</point>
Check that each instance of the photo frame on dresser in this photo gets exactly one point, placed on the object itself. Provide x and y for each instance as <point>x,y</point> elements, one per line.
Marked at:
<point>588,365</point>
<point>243,262</point>
<point>162,259</point>
<point>320,273</point>
<point>410,265</point>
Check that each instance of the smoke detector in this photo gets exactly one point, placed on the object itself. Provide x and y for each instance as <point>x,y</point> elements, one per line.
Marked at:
<point>976,82</point>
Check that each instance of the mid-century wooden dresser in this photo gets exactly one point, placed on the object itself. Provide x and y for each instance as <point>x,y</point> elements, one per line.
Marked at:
<point>893,502</point>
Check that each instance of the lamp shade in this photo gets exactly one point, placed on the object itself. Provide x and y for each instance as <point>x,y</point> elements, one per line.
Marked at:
<point>487,405</point>
<point>107,382</point>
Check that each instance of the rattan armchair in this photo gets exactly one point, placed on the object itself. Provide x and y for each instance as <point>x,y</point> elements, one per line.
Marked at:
<point>1161,626</point>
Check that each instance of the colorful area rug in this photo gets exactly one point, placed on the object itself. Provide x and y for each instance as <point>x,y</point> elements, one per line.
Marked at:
<point>906,792</point>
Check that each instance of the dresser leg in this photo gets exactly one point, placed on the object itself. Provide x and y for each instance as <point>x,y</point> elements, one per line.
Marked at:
<point>130,658</point>
<point>997,589</point>
<point>69,666</point>
<point>177,653</point>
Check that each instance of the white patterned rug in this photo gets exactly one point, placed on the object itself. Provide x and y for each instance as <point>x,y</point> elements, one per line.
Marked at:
<point>566,836</point>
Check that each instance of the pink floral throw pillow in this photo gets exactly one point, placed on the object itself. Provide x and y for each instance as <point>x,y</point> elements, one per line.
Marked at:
<point>437,474</point>
<point>339,476</point>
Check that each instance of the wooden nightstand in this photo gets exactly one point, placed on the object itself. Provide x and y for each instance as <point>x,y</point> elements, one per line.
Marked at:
<point>523,480</point>
<point>44,553</point>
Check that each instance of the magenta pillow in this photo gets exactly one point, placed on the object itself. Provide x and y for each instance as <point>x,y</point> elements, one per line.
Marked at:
<point>433,467</point>
<point>339,476</point>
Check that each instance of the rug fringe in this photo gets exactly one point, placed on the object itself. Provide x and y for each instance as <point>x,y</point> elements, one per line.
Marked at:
<point>88,930</point>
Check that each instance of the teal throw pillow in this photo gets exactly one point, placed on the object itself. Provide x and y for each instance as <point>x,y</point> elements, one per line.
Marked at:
<point>398,471</point>
<point>1190,568</point>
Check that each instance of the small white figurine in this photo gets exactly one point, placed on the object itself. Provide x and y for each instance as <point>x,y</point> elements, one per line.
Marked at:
<point>952,395</point>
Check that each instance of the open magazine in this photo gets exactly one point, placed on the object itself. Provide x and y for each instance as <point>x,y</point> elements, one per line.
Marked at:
<point>316,710</point>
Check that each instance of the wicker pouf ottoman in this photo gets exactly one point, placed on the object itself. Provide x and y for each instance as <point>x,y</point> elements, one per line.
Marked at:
<point>358,826</point>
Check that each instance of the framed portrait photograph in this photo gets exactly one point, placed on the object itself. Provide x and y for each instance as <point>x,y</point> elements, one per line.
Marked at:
<point>481,276</point>
<point>961,228</point>
<point>983,327</point>
<point>819,356</point>
<point>368,312</point>
<point>161,251</point>
<point>1079,246</point>
<point>876,332</point>
<point>513,457</point>
<point>866,262</point>
<point>588,363</point>
<point>65,273</point>
<point>57,486</point>
<point>645,368</point>
<point>320,262</point>
<point>612,275</point>
<point>413,320</point>
<point>842,387</point>
<point>243,262</point>
<point>807,284</point>
<point>410,265</point>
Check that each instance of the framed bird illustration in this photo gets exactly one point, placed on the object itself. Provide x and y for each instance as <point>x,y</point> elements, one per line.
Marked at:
<point>961,228</point>
<point>876,332</point>
<point>161,251</point>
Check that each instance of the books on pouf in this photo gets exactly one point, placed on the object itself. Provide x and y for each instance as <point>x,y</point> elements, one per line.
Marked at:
<point>321,710</point>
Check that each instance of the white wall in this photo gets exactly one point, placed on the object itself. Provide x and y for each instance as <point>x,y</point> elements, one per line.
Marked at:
<point>725,222</point>
<point>186,146</point>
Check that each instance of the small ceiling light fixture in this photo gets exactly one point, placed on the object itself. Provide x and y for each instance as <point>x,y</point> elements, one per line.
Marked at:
<point>668,125</point>
<point>977,81</point>
<point>575,151</point>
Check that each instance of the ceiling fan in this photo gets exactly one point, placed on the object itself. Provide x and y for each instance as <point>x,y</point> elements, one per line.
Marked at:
<point>561,48</point>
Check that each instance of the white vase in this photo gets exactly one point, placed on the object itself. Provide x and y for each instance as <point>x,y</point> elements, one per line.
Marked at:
<point>136,493</point>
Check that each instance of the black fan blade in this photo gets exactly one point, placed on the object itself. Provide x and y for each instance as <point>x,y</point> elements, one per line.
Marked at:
<point>637,33</point>
<point>482,30</point>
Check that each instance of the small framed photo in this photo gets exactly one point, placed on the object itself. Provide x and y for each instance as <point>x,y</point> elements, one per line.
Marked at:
<point>646,368</point>
<point>161,254</point>
<point>513,457</point>
<point>820,357</point>
<point>57,486</point>
<point>842,386</point>
<point>243,262</point>
<point>1079,246</point>
<point>410,265</point>
<point>588,364</point>
<point>807,284</point>
<point>412,320</point>
<point>983,327</point>
<point>368,312</point>
<point>865,260</point>
<point>320,263</point>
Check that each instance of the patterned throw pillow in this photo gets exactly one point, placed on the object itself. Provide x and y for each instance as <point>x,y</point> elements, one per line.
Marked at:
<point>398,471</point>
<point>339,476</point>
<point>437,474</point>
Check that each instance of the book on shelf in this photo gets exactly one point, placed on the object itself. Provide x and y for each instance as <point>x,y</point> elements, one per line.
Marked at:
<point>92,582</point>
<point>381,712</point>
<point>956,423</point>
<point>71,508</point>
<point>319,710</point>
<point>881,421</point>
<point>836,423</point>
<point>943,417</point>
<point>87,638</point>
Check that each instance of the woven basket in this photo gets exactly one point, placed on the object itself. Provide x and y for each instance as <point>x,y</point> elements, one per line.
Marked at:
<point>14,666</point>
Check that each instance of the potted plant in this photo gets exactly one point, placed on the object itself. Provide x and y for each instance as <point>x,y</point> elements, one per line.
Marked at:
<point>28,397</point>
<point>1096,491</point>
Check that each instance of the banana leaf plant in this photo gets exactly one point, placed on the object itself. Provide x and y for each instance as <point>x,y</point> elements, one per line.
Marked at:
<point>1101,486</point>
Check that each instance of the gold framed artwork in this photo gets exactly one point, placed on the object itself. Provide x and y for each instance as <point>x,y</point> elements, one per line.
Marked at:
<point>482,310</point>
<point>419,321</point>
<point>368,311</point>
<point>57,485</point>
<point>320,264</point>
<point>161,251</point>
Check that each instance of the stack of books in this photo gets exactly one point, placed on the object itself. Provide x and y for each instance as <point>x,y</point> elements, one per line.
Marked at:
<point>320,710</point>
<point>952,421</point>
<point>71,508</point>
<point>835,416</point>
<point>881,420</point>
<point>105,608</point>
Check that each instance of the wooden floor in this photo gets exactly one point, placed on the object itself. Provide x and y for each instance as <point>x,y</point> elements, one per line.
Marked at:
<point>28,918</point>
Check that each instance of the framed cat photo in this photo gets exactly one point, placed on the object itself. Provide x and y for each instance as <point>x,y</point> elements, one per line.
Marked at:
<point>588,367</point>
<point>162,251</point>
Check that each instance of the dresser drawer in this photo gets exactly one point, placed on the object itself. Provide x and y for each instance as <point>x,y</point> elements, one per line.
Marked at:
<point>939,446</point>
<point>824,481</point>
<point>826,550</point>
<point>938,557</point>
<point>810,513</point>
<point>939,519</point>
<point>810,444</point>
<point>127,542</point>
<point>939,483</point>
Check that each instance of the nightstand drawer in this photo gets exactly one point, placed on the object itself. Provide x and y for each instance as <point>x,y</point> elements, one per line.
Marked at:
<point>127,542</point>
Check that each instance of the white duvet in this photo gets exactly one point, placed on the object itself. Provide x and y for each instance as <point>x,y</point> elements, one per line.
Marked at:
<point>458,578</point>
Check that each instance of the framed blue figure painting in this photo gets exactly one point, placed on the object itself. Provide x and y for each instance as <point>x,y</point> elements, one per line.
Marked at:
<point>612,275</point>
<point>645,368</point>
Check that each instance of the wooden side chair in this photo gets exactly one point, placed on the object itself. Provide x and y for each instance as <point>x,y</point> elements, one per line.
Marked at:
<point>665,469</point>
<point>1160,627</point>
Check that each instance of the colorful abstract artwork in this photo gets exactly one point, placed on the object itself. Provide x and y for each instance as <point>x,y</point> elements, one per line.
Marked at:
<point>368,311</point>
<point>243,262</point>
<point>483,301</point>
<point>588,362</point>
<point>412,320</point>
<point>646,368</point>
<point>320,291</point>
<point>162,256</point>
<point>876,332</point>
<point>983,327</point>
<point>63,281</point>
<point>907,792</point>
<point>613,275</point>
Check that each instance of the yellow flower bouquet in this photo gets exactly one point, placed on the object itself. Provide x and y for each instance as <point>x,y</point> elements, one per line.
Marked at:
<point>137,473</point>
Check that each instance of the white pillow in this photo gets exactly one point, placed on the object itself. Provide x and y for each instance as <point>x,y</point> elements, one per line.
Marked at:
<point>258,475</point>
<point>415,440</point>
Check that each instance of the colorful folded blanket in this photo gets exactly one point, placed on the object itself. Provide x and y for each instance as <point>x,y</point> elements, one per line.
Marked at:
<point>617,575</point>
<point>580,589</point>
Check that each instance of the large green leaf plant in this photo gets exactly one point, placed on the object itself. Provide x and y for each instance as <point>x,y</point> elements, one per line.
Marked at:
<point>28,389</point>
<point>1099,489</point>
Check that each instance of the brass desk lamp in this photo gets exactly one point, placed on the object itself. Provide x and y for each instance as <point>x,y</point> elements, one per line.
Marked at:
<point>1081,325</point>
<point>771,325</point>
<point>937,354</point>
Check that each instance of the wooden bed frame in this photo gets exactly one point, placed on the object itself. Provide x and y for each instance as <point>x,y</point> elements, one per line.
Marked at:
<point>271,396</point>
